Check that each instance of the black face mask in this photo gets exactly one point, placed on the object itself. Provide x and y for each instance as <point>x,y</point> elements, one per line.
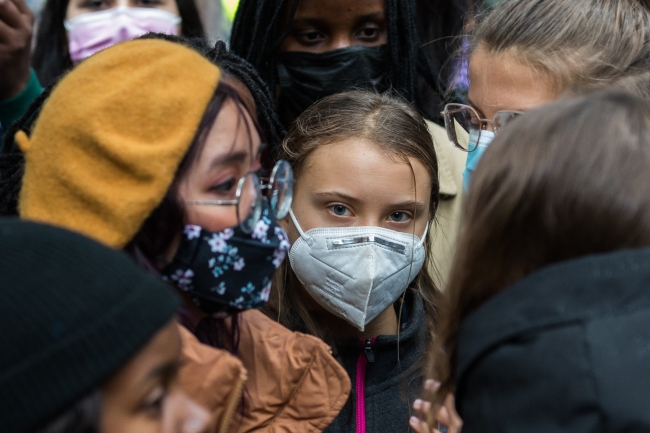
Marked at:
<point>307,77</point>
<point>229,271</point>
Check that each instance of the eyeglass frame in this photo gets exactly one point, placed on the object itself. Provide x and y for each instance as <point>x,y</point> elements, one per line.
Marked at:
<point>266,183</point>
<point>482,122</point>
<point>237,200</point>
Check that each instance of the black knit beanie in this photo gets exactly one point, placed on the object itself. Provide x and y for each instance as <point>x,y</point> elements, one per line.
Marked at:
<point>72,312</point>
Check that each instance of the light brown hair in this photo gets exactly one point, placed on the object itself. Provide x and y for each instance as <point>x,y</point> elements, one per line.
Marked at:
<point>562,181</point>
<point>585,44</point>
<point>397,129</point>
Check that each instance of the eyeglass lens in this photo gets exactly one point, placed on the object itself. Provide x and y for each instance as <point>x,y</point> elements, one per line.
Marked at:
<point>502,118</point>
<point>281,194</point>
<point>460,122</point>
<point>463,122</point>
<point>249,205</point>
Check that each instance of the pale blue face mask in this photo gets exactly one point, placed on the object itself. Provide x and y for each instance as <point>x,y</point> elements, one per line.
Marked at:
<point>474,156</point>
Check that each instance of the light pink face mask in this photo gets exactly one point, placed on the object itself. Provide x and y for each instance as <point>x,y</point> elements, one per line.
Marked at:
<point>95,31</point>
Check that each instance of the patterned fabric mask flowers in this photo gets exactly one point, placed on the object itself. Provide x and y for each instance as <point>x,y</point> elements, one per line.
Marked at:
<point>229,271</point>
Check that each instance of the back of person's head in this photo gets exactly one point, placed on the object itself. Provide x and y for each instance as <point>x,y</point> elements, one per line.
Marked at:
<point>72,314</point>
<point>398,131</point>
<point>590,44</point>
<point>563,181</point>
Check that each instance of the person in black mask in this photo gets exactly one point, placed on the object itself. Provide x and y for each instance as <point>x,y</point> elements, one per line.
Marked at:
<point>309,49</point>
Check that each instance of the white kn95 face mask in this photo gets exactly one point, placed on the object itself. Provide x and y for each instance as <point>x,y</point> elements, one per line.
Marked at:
<point>356,272</point>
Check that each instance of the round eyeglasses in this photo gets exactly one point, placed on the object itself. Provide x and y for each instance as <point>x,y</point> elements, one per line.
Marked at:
<point>248,202</point>
<point>248,198</point>
<point>278,188</point>
<point>463,122</point>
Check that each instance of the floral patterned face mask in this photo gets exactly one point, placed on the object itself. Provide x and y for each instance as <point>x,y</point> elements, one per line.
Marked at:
<point>229,271</point>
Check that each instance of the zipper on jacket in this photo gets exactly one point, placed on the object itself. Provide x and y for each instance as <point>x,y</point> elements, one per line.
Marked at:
<point>366,356</point>
<point>233,403</point>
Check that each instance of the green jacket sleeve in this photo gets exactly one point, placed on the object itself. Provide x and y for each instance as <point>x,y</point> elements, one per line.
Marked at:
<point>12,109</point>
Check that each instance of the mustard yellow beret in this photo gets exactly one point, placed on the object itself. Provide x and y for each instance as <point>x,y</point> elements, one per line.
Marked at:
<point>111,136</point>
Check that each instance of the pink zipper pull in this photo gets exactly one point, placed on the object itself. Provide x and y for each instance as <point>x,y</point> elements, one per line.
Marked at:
<point>367,350</point>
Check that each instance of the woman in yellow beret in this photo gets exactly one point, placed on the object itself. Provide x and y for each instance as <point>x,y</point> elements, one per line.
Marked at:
<point>144,149</point>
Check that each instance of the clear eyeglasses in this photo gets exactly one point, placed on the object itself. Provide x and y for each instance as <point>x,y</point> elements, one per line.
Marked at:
<point>462,121</point>
<point>248,196</point>
<point>279,188</point>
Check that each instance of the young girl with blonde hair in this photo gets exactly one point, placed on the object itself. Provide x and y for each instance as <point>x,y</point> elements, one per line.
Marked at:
<point>365,196</point>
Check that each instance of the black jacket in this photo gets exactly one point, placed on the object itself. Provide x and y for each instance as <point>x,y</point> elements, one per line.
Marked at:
<point>391,385</point>
<point>566,349</point>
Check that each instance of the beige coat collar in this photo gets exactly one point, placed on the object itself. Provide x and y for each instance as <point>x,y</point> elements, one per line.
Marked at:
<point>448,186</point>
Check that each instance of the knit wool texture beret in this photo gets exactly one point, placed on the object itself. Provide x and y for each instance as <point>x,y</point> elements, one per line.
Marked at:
<point>72,312</point>
<point>111,136</point>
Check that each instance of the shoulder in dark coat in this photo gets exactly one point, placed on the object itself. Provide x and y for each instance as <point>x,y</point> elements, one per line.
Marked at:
<point>566,349</point>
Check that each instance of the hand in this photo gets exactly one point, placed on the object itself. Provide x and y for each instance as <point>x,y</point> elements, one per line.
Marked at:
<point>447,418</point>
<point>16,25</point>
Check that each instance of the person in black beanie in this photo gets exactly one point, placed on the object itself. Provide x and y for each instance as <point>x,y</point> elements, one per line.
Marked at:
<point>89,342</point>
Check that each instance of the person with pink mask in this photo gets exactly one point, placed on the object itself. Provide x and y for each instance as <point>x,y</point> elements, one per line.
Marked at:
<point>70,31</point>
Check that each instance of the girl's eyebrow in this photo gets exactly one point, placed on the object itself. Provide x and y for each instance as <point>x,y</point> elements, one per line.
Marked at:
<point>230,157</point>
<point>473,105</point>
<point>340,195</point>
<point>309,21</point>
<point>370,17</point>
<point>410,204</point>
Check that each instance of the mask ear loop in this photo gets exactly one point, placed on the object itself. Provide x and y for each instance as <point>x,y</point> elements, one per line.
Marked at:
<point>403,297</point>
<point>408,278</point>
<point>424,236</point>
<point>303,235</point>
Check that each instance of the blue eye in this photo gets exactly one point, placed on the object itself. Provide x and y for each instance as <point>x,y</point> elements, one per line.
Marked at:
<point>339,210</point>
<point>399,217</point>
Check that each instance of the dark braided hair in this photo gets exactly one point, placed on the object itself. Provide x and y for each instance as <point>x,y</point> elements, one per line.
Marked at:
<point>239,68</point>
<point>256,37</point>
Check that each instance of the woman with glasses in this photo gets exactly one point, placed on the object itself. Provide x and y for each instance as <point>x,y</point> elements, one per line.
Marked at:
<point>547,315</point>
<point>167,170</point>
<point>526,53</point>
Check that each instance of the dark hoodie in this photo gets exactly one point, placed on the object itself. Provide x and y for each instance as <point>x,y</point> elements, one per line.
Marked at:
<point>566,349</point>
<point>391,383</point>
